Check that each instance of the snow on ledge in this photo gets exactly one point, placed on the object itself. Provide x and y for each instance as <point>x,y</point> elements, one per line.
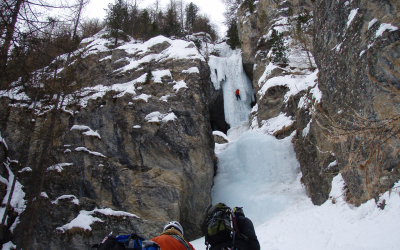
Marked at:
<point>164,98</point>
<point>191,70</point>
<point>219,133</point>
<point>3,141</point>
<point>25,169</point>
<point>372,22</point>
<point>142,97</point>
<point>59,167</point>
<point>384,27</point>
<point>44,195</point>
<point>337,188</point>
<point>158,117</point>
<point>157,75</point>
<point>295,84</point>
<point>306,130</point>
<point>85,219</point>
<point>87,130</point>
<point>64,197</point>
<point>79,149</point>
<point>18,203</point>
<point>275,124</point>
<point>351,17</point>
<point>9,245</point>
<point>179,85</point>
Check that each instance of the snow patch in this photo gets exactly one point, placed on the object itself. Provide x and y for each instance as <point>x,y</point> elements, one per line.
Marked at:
<point>3,141</point>
<point>384,27</point>
<point>85,219</point>
<point>267,73</point>
<point>142,97</point>
<point>164,98</point>
<point>59,167</point>
<point>351,17</point>
<point>317,94</point>
<point>87,130</point>
<point>372,22</point>
<point>293,82</point>
<point>192,70</point>
<point>80,149</point>
<point>64,197</point>
<point>222,134</point>
<point>158,117</point>
<point>8,246</point>
<point>306,130</point>
<point>157,75</point>
<point>275,124</point>
<point>179,85</point>
<point>43,194</point>
<point>17,202</point>
<point>25,169</point>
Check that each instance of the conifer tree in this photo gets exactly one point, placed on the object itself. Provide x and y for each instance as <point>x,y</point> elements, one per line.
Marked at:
<point>149,76</point>
<point>117,19</point>
<point>233,35</point>
<point>171,25</point>
<point>278,48</point>
<point>145,24</point>
<point>191,16</point>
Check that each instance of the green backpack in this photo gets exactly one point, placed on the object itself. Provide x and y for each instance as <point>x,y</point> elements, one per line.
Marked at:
<point>219,225</point>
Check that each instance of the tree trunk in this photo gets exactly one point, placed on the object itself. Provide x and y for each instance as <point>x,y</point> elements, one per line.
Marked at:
<point>10,29</point>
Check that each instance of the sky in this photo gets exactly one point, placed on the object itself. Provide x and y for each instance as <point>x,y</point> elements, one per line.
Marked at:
<point>213,8</point>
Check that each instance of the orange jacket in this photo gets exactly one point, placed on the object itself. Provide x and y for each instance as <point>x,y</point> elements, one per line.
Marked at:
<point>237,92</point>
<point>167,242</point>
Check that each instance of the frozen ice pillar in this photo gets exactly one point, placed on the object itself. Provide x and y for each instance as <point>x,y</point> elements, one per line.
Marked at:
<point>228,73</point>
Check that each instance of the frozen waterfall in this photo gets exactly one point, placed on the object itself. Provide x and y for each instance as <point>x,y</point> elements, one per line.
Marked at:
<point>227,72</point>
<point>256,170</point>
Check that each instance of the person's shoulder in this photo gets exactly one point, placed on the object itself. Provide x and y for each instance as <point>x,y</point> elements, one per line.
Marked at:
<point>157,238</point>
<point>191,246</point>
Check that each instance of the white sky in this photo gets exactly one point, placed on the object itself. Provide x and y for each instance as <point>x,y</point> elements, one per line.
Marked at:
<point>213,8</point>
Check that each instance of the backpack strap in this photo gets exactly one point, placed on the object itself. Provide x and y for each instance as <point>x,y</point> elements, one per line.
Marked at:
<point>236,227</point>
<point>184,243</point>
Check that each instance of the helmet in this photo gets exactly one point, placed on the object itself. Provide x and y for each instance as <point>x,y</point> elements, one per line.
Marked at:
<point>175,225</point>
<point>238,210</point>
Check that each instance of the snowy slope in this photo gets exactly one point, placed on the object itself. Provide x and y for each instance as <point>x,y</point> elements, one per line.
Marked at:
<point>334,225</point>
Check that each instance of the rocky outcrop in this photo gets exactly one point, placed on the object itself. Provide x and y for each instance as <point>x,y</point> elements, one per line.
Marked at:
<point>255,25</point>
<point>123,140</point>
<point>357,51</point>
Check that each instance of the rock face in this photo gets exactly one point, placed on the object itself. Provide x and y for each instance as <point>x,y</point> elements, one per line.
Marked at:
<point>123,141</point>
<point>357,51</point>
<point>353,128</point>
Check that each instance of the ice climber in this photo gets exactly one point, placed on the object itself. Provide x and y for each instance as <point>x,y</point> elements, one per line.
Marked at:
<point>237,95</point>
<point>172,238</point>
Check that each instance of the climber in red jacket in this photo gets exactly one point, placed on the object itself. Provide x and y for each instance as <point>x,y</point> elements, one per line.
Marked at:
<point>237,95</point>
<point>172,238</point>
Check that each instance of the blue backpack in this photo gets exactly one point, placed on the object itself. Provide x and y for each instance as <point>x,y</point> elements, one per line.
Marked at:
<point>126,242</point>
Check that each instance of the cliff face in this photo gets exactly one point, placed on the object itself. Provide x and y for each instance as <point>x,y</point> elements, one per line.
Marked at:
<point>357,50</point>
<point>347,119</point>
<point>122,141</point>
